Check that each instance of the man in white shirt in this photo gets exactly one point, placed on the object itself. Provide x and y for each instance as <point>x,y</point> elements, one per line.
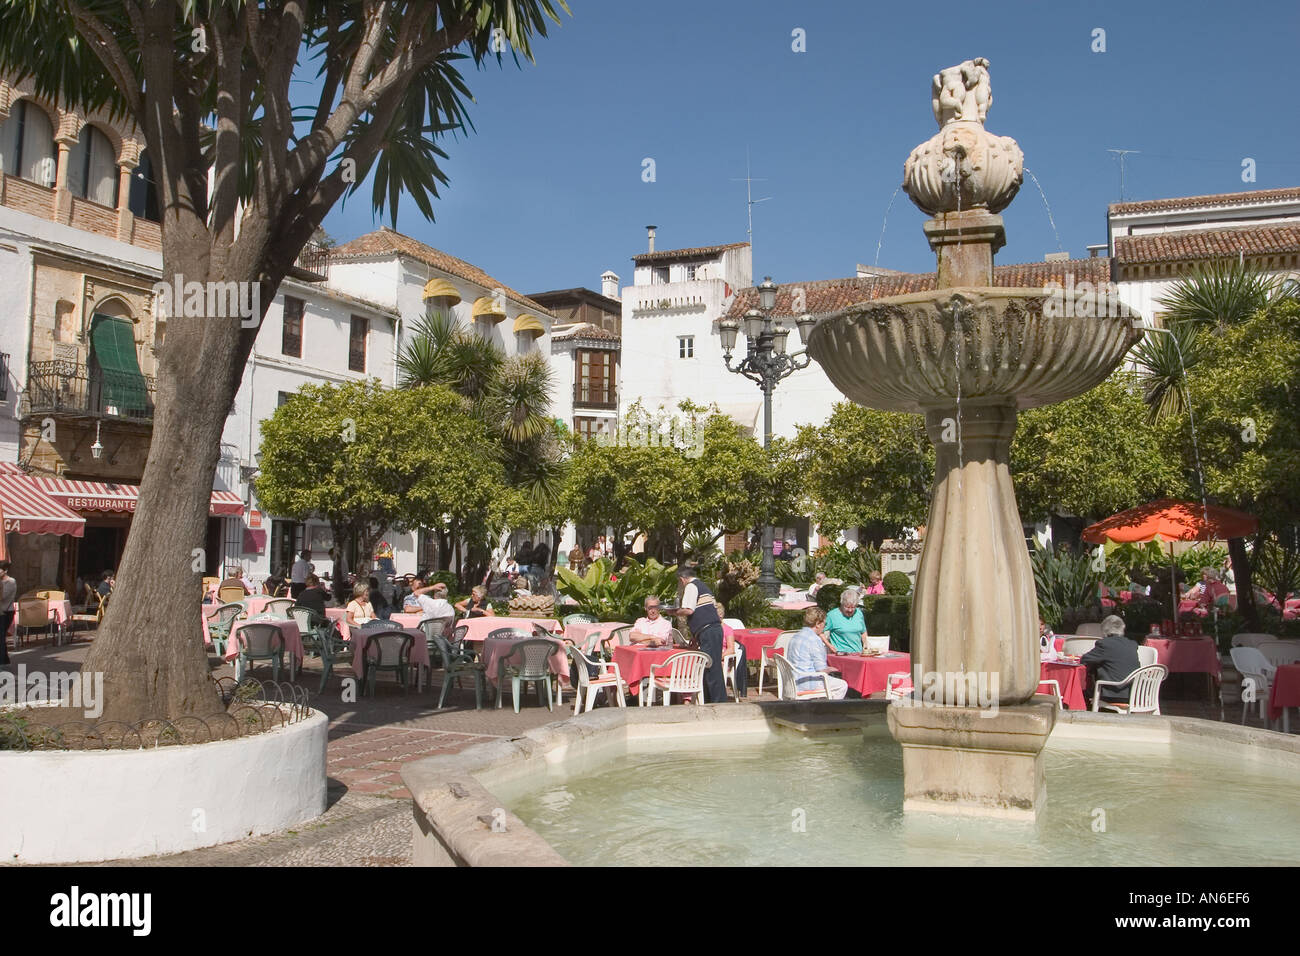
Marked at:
<point>434,604</point>
<point>654,628</point>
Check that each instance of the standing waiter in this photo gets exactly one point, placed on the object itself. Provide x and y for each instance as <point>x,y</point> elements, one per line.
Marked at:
<point>701,612</point>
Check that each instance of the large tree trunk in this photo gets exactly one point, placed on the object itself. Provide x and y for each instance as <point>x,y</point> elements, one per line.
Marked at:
<point>1241,573</point>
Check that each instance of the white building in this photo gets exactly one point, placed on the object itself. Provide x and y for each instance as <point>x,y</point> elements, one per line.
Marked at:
<point>1154,243</point>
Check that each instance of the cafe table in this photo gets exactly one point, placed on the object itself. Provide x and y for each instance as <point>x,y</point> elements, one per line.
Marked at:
<point>478,628</point>
<point>1070,676</point>
<point>635,660</point>
<point>292,640</point>
<point>802,605</point>
<point>1189,655</point>
<point>754,639</point>
<point>494,649</point>
<point>590,634</point>
<point>419,656</point>
<point>1283,693</point>
<point>869,675</point>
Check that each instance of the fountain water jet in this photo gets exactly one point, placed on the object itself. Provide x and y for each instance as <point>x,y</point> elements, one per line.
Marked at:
<point>968,356</point>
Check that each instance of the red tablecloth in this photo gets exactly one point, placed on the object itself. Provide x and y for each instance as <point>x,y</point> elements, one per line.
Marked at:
<point>1070,677</point>
<point>755,639</point>
<point>1187,655</point>
<point>481,627</point>
<point>581,633</point>
<point>495,648</point>
<point>1285,691</point>
<point>869,675</point>
<point>634,662</point>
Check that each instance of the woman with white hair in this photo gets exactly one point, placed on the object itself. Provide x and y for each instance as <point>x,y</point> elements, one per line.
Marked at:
<point>845,625</point>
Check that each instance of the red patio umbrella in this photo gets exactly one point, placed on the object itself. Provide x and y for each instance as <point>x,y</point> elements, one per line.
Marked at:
<point>1171,520</point>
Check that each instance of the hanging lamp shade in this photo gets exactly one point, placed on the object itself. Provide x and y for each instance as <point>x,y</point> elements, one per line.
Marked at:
<point>486,308</point>
<point>442,290</point>
<point>529,323</point>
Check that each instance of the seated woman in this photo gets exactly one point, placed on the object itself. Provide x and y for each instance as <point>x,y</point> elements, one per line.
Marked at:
<point>360,610</point>
<point>875,583</point>
<point>845,625</point>
<point>477,604</point>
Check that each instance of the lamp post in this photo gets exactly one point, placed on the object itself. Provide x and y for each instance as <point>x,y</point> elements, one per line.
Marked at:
<point>766,362</point>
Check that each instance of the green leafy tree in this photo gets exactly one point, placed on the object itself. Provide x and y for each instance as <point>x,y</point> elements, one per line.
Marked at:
<point>371,460</point>
<point>866,467</point>
<point>1244,395</point>
<point>211,85</point>
<point>1092,456</point>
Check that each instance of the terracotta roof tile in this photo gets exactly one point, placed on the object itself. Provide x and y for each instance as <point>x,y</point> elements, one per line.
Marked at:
<point>660,255</point>
<point>831,295</point>
<point>583,330</point>
<point>385,241</point>
<point>1215,199</point>
<point>1208,244</point>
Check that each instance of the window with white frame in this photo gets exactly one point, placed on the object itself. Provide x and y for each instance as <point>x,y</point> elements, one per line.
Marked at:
<point>686,346</point>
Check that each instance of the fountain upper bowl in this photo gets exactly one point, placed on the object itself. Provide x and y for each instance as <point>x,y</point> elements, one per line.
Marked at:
<point>923,350</point>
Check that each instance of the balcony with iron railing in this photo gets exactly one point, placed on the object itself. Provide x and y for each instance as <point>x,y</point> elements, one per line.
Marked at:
<point>75,391</point>
<point>596,395</point>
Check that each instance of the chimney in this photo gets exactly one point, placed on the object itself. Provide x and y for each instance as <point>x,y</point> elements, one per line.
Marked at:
<point>1057,257</point>
<point>650,231</point>
<point>609,284</point>
<point>1095,251</point>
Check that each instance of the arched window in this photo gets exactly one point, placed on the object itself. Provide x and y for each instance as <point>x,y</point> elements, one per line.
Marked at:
<point>92,170</point>
<point>27,144</point>
<point>142,200</point>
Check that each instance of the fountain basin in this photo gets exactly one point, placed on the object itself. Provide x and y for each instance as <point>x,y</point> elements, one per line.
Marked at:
<point>925,350</point>
<point>723,784</point>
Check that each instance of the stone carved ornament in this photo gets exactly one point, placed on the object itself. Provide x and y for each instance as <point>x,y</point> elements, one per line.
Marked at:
<point>963,166</point>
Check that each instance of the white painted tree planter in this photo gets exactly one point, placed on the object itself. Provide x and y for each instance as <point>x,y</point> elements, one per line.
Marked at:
<point>86,806</point>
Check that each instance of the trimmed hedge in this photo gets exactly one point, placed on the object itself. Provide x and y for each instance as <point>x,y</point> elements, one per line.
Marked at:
<point>896,582</point>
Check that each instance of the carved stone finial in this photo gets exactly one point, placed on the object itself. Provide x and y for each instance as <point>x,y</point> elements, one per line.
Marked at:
<point>962,93</point>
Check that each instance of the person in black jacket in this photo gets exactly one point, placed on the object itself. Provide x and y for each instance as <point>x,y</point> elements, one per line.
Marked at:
<point>1114,657</point>
<point>313,595</point>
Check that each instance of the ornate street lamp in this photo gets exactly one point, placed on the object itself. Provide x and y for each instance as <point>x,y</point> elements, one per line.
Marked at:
<point>766,362</point>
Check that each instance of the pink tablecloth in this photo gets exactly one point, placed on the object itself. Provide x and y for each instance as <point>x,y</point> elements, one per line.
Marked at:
<point>634,662</point>
<point>496,648</point>
<point>480,627</point>
<point>1070,677</point>
<point>403,619</point>
<point>1285,691</point>
<point>339,615</point>
<point>793,605</point>
<point>869,675</point>
<point>583,633</point>
<point>419,648</point>
<point>1187,655</point>
<point>292,638</point>
<point>60,612</point>
<point>754,639</point>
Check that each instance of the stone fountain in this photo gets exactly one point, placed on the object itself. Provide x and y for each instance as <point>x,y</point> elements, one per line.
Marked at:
<point>968,356</point>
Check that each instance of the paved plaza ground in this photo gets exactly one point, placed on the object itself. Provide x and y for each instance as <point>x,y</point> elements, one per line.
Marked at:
<point>368,820</point>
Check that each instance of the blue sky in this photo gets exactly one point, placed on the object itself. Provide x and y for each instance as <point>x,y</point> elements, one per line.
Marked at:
<point>547,193</point>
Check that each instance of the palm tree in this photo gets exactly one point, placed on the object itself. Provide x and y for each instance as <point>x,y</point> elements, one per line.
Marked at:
<point>1163,359</point>
<point>1221,293</point>
<point>441,352</point>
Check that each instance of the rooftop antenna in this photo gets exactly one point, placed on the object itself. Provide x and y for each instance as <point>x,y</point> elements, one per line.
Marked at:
<point>1121,153</point>
<point>750,200</point>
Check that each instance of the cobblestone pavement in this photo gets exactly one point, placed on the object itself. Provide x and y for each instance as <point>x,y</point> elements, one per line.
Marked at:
<point>368,820</point>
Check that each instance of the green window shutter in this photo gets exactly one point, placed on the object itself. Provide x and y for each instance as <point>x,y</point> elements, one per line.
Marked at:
<point>113,347</point>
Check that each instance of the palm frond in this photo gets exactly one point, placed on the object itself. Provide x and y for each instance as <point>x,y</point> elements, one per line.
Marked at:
<point>1221,294</point>
<point>1163,358</point>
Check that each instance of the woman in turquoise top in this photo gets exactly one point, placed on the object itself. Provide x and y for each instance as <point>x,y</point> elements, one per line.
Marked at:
<point>846,624</point>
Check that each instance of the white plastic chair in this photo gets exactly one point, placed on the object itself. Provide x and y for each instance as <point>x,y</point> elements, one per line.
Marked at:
<point>685,676</point>
<point>787,683</point>
<point>608,678</point>
<point>1144,691</point>
<point>1147,656</point>
<point>729,664</point>
<point>1078,646</point>
<point>279,607</point>
<point>880,643</point>
<point>1055,687</point>
<point>781,643</point>
<point>1280,653</point>
<point>1089,630</point>
<point>734,623</point>
<point>897,689</point>
<point>1252,665</point>
<point>1248,639</point>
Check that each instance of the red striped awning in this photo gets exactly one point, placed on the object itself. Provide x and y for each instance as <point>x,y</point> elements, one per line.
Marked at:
<point>28,509</point>
<point>84,496</point>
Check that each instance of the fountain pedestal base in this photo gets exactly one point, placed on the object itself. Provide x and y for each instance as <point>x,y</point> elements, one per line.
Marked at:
<point>972,760</point>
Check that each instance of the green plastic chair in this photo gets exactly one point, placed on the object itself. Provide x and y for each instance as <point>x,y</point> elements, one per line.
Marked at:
<point>578,619</point>
<point>333,650</point>
<point>261,642</point>
<point>393,653</point>
<point>534,666</point>
<point>455,662</point>
<point>219,624</point>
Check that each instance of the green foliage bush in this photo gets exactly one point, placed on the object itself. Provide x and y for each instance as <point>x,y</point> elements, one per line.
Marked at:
<point>828,596</point>
<point>896,582</point>
<point>610,596</point>
<point>890,614</point>
<point>1067,587</point>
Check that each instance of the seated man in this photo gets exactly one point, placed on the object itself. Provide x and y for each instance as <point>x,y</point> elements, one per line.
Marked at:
<point>313,595</point>
<point>434,603</point>
<point>653,629</point>
<point>806,653</point>
<point>1113,657</point>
